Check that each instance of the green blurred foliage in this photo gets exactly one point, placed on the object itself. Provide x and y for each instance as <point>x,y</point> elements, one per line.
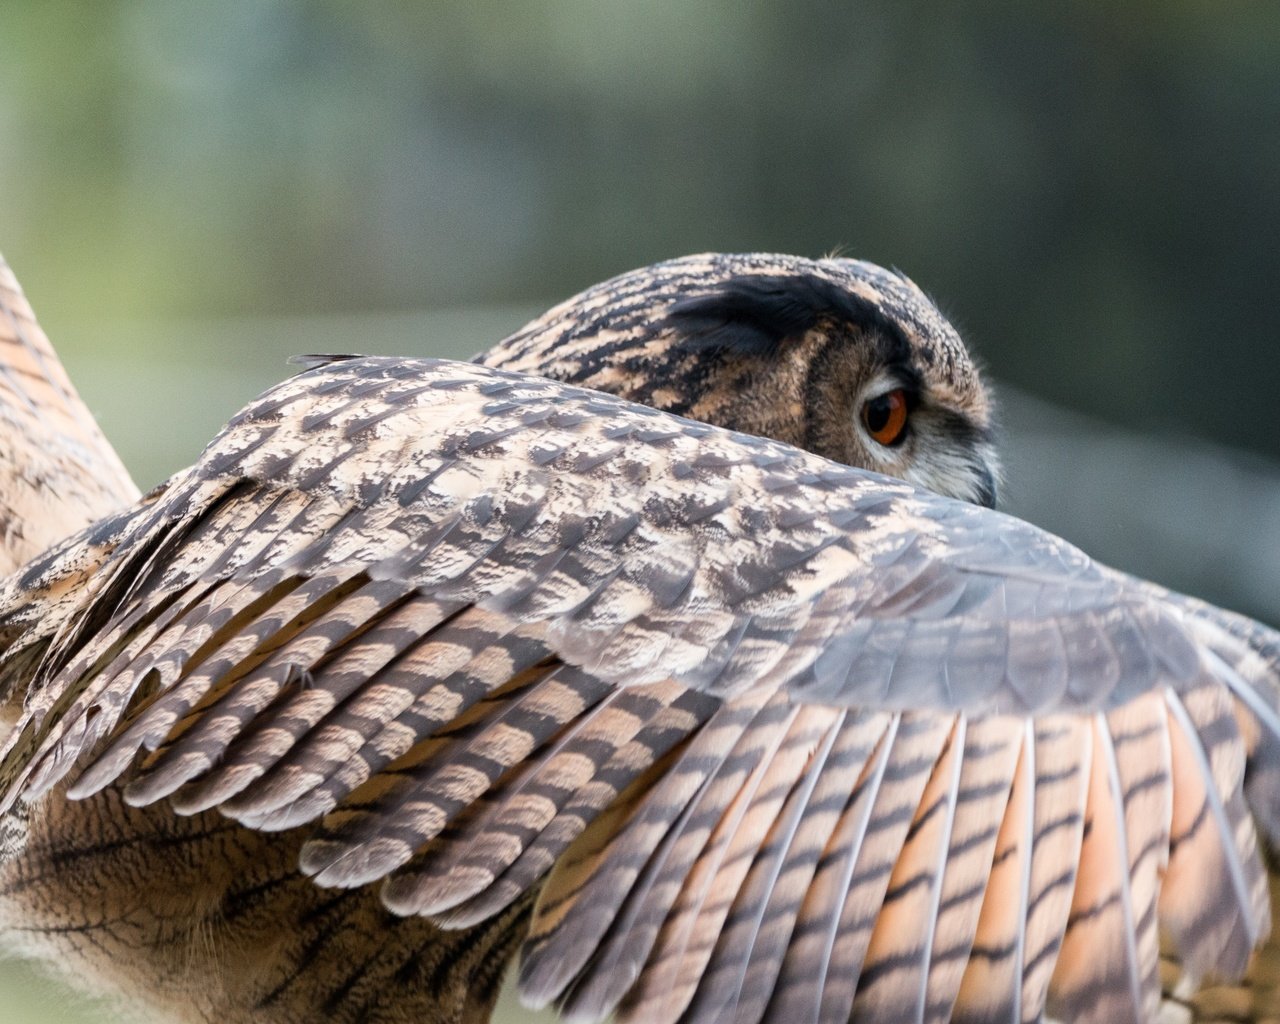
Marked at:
<point>1090,188</point>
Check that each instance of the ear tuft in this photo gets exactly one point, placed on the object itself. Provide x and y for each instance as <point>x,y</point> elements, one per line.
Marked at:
<point>751,314</point>
<point>754,314</point>
<point>315,360</point>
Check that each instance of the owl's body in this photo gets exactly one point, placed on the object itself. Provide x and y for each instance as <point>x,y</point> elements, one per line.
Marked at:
<point>793,740</point>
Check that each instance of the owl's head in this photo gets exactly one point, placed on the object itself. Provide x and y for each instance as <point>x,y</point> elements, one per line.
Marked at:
<point>838,356</point>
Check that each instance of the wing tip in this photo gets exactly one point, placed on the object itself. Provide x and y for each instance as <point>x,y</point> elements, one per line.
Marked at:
<point>339,864</point>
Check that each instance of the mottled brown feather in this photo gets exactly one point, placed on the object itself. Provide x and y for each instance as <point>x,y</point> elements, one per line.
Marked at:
<point>890,740</point>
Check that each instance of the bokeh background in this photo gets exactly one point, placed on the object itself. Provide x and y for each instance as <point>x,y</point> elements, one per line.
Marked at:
<point>192,192</point>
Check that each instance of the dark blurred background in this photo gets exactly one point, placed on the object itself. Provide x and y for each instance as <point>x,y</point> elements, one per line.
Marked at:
<point>189,193</point>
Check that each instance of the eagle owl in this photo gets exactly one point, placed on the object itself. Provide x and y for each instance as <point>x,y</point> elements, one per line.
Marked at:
<point>673,642</point>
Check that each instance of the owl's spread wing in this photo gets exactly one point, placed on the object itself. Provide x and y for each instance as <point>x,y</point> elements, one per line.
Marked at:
<point>795,738</point>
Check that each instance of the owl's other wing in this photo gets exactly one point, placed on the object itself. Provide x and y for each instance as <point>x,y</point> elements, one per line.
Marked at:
<point>57,468</point>
<point>795,738</point>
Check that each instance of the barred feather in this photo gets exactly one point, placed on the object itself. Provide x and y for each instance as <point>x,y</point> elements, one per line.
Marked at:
<point>792,740</point>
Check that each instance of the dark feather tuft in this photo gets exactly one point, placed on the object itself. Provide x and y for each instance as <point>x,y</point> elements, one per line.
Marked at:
<point>315,360</point>
<point>754,314</point>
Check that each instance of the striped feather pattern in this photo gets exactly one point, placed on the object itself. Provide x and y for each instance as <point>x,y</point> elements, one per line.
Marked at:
<point>990,989</point>
<point>437,681</point>
<point>863,748</point>
<point>987,768</point>
<point>763,909</point>
<point>896,966</point>
<point>784,739</point>
<point>688,936</point>
<point>482,843</point>
<point>1124,849</point>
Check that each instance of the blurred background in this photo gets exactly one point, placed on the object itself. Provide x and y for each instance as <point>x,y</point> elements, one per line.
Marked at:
<point>191,193</point>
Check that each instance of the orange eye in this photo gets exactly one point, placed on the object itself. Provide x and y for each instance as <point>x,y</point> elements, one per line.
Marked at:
<point>885,417</point>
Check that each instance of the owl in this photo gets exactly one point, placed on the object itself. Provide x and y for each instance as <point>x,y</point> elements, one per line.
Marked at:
<point>674,642</point>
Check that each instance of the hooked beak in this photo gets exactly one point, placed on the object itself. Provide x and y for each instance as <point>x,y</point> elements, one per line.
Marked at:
<point>987,488</point>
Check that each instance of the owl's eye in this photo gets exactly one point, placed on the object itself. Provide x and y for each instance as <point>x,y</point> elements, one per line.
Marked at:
<point>885,417</point>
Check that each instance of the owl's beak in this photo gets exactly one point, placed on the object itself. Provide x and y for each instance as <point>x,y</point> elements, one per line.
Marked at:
<point>986,495</point>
